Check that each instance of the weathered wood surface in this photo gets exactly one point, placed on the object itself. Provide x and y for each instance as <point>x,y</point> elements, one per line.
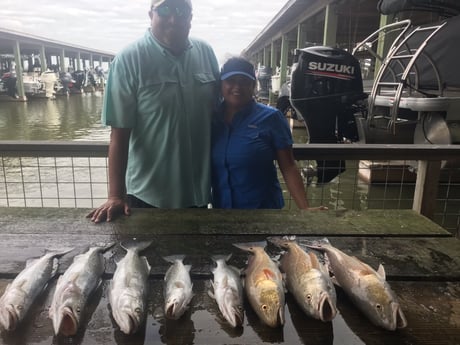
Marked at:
<point>422,262</point>
<point>204,221</point>
<point>403,258</point>
<point>432,311</point>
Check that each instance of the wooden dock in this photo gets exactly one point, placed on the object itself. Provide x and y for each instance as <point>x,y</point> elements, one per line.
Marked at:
<point>422,263</point>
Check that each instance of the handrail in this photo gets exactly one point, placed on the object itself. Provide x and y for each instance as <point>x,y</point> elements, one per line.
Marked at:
<point>429,158</point>
<point>301,151</point>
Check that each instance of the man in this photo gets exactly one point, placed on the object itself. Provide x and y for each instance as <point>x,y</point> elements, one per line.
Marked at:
<point>160,95</point>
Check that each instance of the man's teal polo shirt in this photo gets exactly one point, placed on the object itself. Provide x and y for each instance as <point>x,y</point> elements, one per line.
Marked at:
<point>167,101</point>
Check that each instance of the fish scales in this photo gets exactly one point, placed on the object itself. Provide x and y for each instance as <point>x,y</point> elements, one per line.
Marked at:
<point>307,279</point>
<point>20,294</point>
<point>228,291</point>
<point>367,288</point>
<point>263,284</point>
<point>128,289</point>
<point>177,288</point>
<point>73,290</point>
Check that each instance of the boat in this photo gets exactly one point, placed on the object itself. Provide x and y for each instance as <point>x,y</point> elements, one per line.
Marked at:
<point>414,97</point>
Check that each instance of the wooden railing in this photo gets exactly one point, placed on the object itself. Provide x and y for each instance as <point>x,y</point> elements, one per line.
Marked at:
<point>429,158</point>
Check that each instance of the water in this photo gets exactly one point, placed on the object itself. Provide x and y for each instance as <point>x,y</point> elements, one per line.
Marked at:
<point>76,117</point>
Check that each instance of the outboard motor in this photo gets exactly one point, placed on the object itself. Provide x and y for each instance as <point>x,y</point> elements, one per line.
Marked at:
<point>326,86</point>
<point>67,81</point>
<point>80,79</point>
<point>9,83</point>
<point>264,77</point>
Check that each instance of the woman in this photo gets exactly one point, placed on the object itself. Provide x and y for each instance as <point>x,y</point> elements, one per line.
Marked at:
<point>247,137</point>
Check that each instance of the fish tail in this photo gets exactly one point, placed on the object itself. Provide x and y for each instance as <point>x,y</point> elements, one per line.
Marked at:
<point>315,244</point>
<point>57,253</point>
<point>103,247</point>
<point>250,246</point>
<point>220,257</point>
<point>281,242</point>
<point>135,245</point>
<point>174,258</point>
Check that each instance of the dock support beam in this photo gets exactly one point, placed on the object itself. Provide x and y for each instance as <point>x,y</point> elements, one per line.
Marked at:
<point>330,26</point>
<point>271,96</point>
<point>19,78</point>
<point>62,66</point>
<point>44,64</point>
<point>284,58</point>
<point>301,36</point>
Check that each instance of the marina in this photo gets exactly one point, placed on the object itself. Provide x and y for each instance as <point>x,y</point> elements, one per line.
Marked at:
<point>33,66</point>
<point>421,260</point>
<point>374,110</point>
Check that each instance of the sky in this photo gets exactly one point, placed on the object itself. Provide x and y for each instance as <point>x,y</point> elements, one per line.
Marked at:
<point>110,25</point>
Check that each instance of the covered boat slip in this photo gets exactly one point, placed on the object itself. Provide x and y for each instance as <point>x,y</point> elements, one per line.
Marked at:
<point>422,263</point>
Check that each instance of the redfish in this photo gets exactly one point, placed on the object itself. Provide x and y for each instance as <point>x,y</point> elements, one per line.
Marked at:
<point>307,279</point>
<point>263,284</point>
<point>366,287</point>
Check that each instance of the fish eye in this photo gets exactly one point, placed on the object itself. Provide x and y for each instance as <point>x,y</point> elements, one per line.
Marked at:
<point>309,297</point>
<point>264,307</point>
<point>78,309</point>
<point>20,307</point>
<point>378,306</point>
<point>137,310</point>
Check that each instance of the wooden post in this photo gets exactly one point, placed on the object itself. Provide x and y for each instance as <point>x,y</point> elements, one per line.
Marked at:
<point>426,187</point>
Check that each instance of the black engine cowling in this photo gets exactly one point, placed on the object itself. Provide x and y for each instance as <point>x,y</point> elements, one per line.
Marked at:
<point>326,84</point>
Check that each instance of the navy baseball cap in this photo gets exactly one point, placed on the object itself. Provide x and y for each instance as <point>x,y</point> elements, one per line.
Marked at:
<point>237,66</point>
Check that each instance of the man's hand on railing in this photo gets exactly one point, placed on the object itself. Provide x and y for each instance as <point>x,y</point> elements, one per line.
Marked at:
<point>110,210</point>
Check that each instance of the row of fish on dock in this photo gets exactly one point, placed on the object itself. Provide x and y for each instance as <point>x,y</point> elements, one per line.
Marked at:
<point>308,270</point>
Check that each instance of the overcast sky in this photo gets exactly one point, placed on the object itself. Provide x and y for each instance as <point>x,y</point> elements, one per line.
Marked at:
<point>229,26</point>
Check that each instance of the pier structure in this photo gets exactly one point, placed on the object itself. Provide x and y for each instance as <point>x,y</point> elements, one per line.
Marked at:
<point>340,24</point>
<point>24,52</point>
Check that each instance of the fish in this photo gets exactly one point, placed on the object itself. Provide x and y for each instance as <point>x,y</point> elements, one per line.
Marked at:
<point>263,284</point>
<point>21,293</point>
<point>367,288</point>
<point>177,287</point>
<point>228,290</point>
<point>308,280</point>
<point>128,288</point>
<point>73,289</point>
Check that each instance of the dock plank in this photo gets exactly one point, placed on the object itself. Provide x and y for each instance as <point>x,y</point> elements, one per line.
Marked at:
<point>214,221</point>
<point>431,258</point>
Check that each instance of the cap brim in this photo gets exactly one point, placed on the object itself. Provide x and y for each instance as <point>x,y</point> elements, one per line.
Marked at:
<point>230,74</point>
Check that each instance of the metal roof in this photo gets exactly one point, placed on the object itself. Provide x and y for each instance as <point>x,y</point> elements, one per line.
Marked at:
<point>30,44</point>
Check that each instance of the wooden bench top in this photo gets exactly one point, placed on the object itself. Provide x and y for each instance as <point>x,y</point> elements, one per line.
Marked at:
<point>422,262</point>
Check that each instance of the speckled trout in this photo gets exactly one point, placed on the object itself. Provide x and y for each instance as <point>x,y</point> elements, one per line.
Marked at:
<point>228,290</point>
<point>263,284</point>
<point>73,289</point>
<point>307,279</point>
<point>366,287</point>
<point>128,289</point>
<point>23,290</point>
<point>177,287</point>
